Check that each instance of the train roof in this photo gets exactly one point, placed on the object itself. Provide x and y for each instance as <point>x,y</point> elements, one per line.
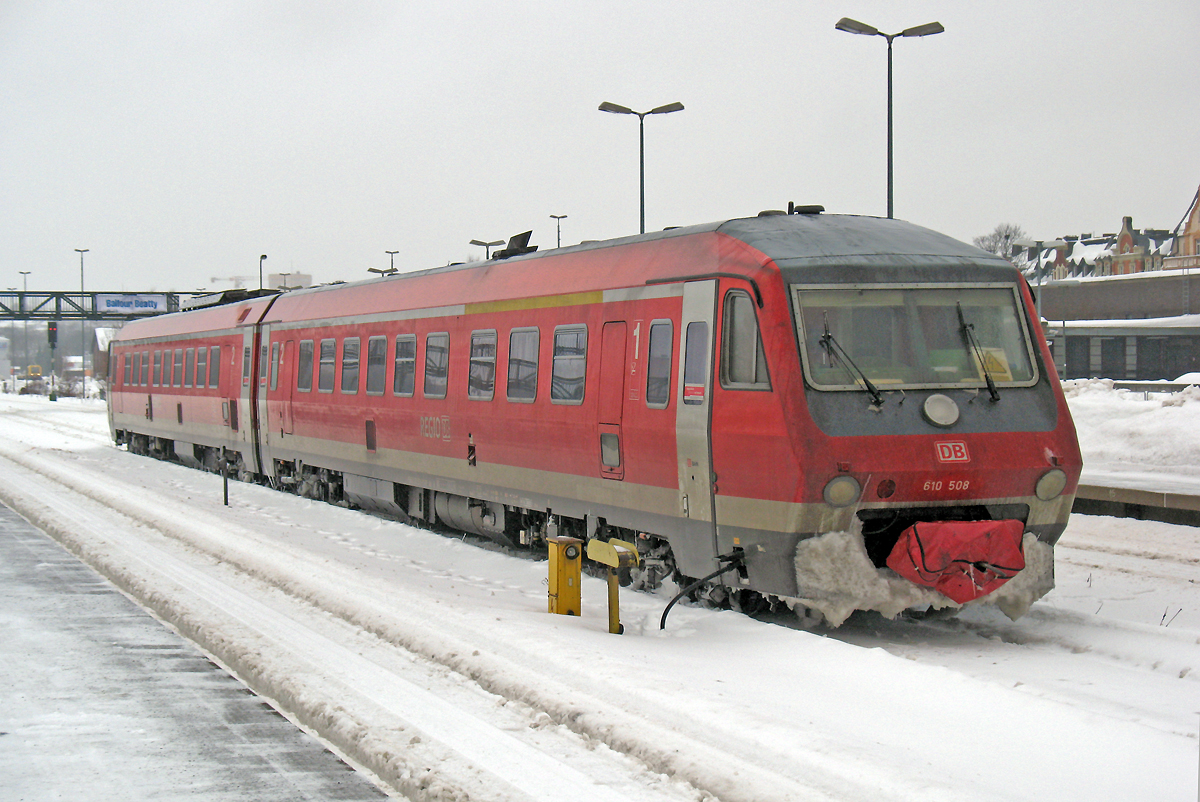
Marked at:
<point>817,240</point>
<point>804,247</point>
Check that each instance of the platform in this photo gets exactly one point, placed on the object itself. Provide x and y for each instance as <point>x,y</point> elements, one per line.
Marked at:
<point>100,701</point>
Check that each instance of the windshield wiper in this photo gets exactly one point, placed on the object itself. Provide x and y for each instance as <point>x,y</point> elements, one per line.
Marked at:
<point>836,352</point>
<point>968,332</point>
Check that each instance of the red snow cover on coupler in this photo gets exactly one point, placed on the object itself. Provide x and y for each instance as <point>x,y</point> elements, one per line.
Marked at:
<point>962,560</point>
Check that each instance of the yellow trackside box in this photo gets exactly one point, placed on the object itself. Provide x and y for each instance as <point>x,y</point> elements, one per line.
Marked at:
<point>565,561</point>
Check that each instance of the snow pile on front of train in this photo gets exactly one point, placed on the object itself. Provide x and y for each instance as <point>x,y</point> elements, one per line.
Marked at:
<point>836,576</point>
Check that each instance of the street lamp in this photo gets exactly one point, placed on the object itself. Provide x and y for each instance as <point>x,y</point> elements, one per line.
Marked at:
<point>82,326</point>
<point>25,323</point>
<point>487,246</point>
<point>392,254</point>
<point>1036,247</point>
<point>853,26</point>
<point>613,108</point>
<point>261,259</point>
<point>558,218</point>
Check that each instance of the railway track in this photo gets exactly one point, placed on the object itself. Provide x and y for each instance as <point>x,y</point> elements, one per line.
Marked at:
<point>337,591</point>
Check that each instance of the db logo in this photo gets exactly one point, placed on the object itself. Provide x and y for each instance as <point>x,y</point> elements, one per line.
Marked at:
<point>952,452</point>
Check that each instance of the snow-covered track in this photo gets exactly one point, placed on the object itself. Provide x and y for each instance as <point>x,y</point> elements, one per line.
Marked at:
<point>716,707</point>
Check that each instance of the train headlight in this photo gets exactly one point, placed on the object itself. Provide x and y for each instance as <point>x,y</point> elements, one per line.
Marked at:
<point>940,410</point>
<point>1051,485</point>
<point>842,491</point>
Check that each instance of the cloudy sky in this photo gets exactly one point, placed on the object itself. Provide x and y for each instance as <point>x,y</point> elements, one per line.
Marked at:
<point>180,141</point>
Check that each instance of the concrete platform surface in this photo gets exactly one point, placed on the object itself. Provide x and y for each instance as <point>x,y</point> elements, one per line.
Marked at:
<point>100,701</point>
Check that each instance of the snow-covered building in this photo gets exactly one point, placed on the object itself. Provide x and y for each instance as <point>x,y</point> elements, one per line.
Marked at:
<point>1186,252</point>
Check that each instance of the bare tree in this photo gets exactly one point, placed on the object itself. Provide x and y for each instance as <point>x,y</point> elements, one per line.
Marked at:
<point>1000,241</point>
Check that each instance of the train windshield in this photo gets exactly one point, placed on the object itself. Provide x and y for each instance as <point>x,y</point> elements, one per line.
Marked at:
<point>912,337</point>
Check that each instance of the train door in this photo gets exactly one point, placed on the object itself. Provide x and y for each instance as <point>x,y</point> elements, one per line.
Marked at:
<point>696,554</point>
<point>287,362</point>
<point>612,399</point>
<point>248,412</point>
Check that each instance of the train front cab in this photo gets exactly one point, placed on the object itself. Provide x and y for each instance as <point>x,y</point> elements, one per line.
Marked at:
<point>804,450</point>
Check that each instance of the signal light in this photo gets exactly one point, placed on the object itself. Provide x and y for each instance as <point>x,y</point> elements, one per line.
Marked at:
<point>52,332</point>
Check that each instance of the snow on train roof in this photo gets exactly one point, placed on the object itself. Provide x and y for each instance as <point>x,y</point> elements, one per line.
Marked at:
<point>835,239</point>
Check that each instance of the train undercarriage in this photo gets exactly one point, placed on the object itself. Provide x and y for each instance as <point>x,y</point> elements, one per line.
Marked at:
<point>520,530</point>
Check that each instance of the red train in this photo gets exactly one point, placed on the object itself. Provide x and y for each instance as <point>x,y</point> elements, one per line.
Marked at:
<point>839,412</point>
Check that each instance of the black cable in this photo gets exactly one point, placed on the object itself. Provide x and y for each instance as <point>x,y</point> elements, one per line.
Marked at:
<point>734,560</point>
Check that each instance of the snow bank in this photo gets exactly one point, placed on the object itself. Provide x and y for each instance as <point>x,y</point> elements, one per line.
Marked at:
<point>837,577</point>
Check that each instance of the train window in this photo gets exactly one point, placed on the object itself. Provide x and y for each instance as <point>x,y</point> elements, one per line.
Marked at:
<point>570,365</point>
<point>481,380</point>
<point>262,365</point>
<point>158,368</point>
<point>201,366</point>
<point>437,364</point>
<point>376,365</point>
<point>914,337</point>
<point>189,366</point>
<point>214,366</point>
<point>274,365</point>
<point>350,349</point>
<point>695,364</point>
<point>658,365</point>
<point>127,359</point>
<point>523,365</point>
<point>178,375</point>
<point>405,380</point>
<point>145,368</point>
<point>246,366</point>
<point>136,359</point>
<point>326,365</point>
<point>743,363</point>
<point>304,366</point>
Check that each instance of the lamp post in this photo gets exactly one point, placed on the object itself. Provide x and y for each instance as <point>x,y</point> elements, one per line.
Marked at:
<point>613,108</point>
<point>82,326</point>
<point>487,246</point>
<point>261,259</point>
<point>25,323</point>
<point>853,26</point>
<point>558,218</point>
<point>392,254</point>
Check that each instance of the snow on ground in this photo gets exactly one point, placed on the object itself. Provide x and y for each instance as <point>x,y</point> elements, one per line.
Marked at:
<point>433,661</point>
<point>1135,439</point>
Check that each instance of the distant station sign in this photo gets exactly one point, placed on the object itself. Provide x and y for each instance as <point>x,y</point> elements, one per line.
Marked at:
<point>131,304</point>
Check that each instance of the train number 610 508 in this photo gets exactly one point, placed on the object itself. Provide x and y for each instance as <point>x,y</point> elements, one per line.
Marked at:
<point>953,484</point>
